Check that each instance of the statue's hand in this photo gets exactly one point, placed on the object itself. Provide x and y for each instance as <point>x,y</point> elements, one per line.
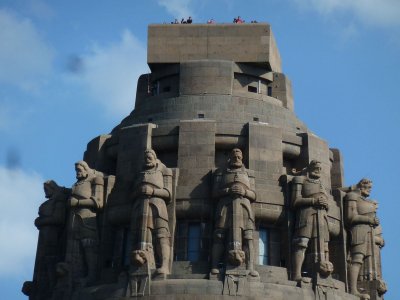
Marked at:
<point>322,201</point>
<point>374,221</point>
<point>147,190</point>
<point>73,202</point>
<point>37,222</point>
<point>238,190</point>
<point>382,243</point>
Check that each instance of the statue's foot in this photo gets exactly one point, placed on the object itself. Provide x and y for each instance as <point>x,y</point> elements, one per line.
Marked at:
<point>297,278</point>
<point>162,271</point>
<point>302,279</point>
<point>254,273</point>
<point>214,271</point>
<point>362,296</point>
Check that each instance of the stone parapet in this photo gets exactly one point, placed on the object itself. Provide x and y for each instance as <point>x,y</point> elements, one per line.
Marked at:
<point>247,43</point>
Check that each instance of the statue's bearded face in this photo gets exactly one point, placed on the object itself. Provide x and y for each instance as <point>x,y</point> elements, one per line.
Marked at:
<point>365,189</point>
<point>236,160</point>
<point>315,171</point>
<point>81,173</point>
<point>149,160</point>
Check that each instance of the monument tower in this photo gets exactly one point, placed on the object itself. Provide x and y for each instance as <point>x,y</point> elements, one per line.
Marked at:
<point>211,188</point>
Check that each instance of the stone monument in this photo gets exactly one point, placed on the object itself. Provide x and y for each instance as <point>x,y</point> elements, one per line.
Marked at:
<point>213,209</point>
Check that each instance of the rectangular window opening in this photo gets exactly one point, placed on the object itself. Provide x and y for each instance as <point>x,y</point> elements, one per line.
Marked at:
<point>263,246</point>
<point>252,89</point>
<point>194,241</point>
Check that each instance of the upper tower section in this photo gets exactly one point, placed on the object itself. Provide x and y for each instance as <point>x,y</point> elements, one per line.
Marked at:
<point>213,71</point>
<point>241,43</point>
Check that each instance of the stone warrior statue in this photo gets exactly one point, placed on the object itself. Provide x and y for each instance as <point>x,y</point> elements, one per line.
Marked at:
<point>234,215</point>
<point>371,270</point>
<point>360,217</point>
<point>50,222</point>
<point>310,200</point>
<point>150,227</point>
<point>85,201</point>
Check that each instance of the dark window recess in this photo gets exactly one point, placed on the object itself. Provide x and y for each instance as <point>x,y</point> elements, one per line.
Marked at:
<point>200,116</point>
<point>194,242</point>
<point>269,92</point>
<point>255,119</point>
<point>252,89</point>
<point>166,89</point>
<point>269,246</point>
<point>155,88</point>
<point>263,244</point>
<point>180,241</point>
<point>191,241</point>
<point>149,119</point>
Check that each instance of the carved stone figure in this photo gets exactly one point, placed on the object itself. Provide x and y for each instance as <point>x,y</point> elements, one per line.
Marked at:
<point>310,201</point>
<point>85,201</point>
<point>50,222</point>
<point>150,227</point>
<point>371,270</point>
<point>234,216</point>
<point>360,217</point>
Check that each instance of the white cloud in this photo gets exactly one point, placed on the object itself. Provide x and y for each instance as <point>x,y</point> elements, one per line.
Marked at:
<point>21,194</point>
<point>372,12</point>
<point>178,8</point>
<point>110,73</point>
<point>25,58</point>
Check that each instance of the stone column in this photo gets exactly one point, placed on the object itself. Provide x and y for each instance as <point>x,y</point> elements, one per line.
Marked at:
<point>196,155</point>
<point>266,160</point>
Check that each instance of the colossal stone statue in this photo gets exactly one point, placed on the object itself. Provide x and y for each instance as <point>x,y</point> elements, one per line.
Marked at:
<point>376,261</point>
<point>149,223</point>
<point>85,201</point>
<point>234,224</point>
<point>360,217</point>
<point>310,201</point>
<point>51,246</point>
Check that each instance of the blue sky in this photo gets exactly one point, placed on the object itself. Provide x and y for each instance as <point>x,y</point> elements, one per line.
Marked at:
<point>68,72</point>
